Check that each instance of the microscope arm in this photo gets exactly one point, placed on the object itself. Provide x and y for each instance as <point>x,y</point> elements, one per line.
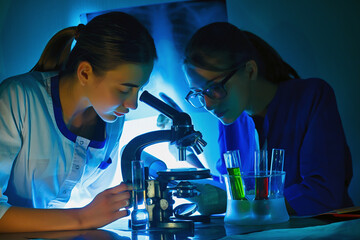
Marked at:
<point>134,148</point>
<point>182,134</point>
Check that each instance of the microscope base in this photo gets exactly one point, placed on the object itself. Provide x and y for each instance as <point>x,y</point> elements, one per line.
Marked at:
<point>176,224</point>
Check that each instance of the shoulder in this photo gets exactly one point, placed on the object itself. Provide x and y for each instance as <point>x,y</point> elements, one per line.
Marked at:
<point>25,80</point>
<point>306,89</point>
<point>15,85</point>
<point>306,85</point>
<point>302,95</point>
<point>26,83</point>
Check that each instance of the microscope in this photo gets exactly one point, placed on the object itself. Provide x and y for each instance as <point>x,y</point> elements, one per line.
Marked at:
<point>168,183</point>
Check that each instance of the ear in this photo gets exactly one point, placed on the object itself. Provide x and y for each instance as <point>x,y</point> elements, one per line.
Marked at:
<point>251,69</point>
<point>84,72</point>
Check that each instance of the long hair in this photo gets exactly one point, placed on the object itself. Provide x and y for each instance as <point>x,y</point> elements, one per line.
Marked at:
<point>105,42</point>
<point>222,46</point>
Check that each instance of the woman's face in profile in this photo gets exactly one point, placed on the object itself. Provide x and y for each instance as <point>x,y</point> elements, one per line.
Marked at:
<point>116,92</point>
<point>237,88</point>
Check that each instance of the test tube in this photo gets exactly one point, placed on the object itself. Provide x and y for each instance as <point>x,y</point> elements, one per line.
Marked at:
<point>139,215</point>
<point>233,166</point>
<point>261,175</point>
<point>277,160</point>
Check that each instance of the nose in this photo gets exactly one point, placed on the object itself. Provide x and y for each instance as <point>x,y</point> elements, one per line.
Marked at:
<point>209,103</point>
<point>131,102</point>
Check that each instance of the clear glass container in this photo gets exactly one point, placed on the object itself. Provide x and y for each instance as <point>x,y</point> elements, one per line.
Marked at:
<point>139,214</point>
<point>264,201</point>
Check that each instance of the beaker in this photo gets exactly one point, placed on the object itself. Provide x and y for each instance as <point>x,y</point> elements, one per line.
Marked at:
<point>253,210</point>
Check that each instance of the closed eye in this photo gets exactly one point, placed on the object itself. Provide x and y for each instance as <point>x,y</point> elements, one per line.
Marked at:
<point>125,90</point>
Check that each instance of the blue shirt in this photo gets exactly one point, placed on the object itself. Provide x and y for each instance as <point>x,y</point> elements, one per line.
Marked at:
<point>42,163</point>
<point>303,119</point>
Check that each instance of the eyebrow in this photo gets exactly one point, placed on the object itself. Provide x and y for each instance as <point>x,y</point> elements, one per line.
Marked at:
<point>215,79</point>
<point>130,85</point>
<point>221,76</point>
<point>210,81</point>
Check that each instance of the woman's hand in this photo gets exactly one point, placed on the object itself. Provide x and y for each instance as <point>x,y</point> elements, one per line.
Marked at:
<point>106,207</point>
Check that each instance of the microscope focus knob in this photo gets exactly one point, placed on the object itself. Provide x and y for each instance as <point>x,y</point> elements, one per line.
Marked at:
<point>164,204</point>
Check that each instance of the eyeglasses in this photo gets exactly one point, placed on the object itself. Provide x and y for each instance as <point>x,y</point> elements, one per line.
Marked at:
<point>214,91</point>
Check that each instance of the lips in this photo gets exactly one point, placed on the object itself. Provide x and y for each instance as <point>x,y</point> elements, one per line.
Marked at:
<point>220,114</point>
<point>118,114</point>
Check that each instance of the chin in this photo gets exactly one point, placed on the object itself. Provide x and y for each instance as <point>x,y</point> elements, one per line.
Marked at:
<point>226,121</point>
<point>108,118</point>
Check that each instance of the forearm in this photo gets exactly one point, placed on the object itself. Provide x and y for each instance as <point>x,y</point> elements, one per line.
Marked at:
<point>105,208</point>
<point>19,219</point>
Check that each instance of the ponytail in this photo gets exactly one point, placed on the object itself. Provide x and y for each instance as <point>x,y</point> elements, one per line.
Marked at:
<point>105,42</point>
<point>275,68</point>
<point>56,51</point>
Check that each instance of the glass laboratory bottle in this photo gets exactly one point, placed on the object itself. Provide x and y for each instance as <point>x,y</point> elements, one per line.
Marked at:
<point>139,215</point>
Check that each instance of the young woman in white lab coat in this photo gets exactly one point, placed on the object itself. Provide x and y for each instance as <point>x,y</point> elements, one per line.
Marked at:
<point>60,126</point>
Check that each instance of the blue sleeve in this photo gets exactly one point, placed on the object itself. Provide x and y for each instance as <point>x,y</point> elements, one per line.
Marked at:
<point>325,163</point>
<point>238,135</point>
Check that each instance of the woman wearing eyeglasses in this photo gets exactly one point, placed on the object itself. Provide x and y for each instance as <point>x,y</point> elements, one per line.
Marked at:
<point>261,102</point>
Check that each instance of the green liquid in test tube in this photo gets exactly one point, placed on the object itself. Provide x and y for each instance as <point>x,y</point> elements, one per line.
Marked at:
<point>232,160</point>
<point>237,186</point>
